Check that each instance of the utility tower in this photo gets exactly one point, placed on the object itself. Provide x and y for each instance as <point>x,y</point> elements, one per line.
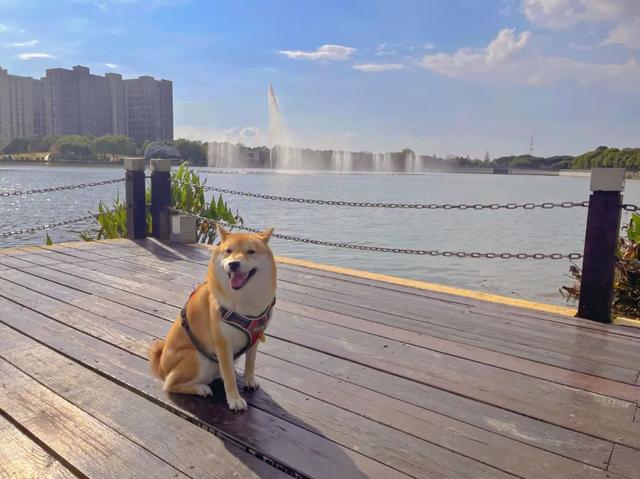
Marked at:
<point>531,147</point>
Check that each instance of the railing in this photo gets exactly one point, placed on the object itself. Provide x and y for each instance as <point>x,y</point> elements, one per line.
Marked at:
<point>599,256</point>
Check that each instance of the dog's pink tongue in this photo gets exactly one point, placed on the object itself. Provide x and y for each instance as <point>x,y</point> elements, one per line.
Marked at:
<point>238,279</point>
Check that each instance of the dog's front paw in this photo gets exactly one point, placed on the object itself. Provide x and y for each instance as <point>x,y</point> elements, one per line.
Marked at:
<point>237,404</point>
<point>251,383</point>
<point>203,390</point>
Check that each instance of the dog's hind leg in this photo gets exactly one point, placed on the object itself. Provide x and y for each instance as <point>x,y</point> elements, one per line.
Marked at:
<point>184,377</point>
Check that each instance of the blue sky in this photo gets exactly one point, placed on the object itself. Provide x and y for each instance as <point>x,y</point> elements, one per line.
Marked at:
<point>439,76</point>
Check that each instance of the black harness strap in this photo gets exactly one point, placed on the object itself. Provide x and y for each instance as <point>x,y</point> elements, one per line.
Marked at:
<point>252,327</point>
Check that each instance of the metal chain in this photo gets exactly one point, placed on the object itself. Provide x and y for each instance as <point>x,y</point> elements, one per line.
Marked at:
<point>7,234</point>
<point>628,207</point>
<point>383,249</point>
<point>419,206</point>
<point>60,188</point>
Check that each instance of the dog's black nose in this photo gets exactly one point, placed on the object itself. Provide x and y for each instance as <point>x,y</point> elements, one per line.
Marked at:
<point>234,265</point>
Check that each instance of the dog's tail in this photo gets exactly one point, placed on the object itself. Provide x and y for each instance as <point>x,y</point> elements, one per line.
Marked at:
<point>155,352</point>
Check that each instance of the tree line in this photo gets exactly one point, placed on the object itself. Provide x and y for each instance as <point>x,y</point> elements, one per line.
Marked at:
<point>91,148</point>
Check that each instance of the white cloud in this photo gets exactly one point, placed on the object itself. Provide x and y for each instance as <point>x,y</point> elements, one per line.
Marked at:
<point>429,46</point>
<point>3,28</point>
<point>624,15</point>
<point>325,52</point>
<point>627,34</point>
<point>30,43</point>
<point>378,67</point>
<point>111,65</point>
<point>34,56</point>
<point>509,58</point>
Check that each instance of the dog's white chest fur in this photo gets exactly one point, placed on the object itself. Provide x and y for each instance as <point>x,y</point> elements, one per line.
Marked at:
<point>208,370</point>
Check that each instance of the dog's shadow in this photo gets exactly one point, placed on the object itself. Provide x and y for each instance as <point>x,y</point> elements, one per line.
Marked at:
<point>271,434</point>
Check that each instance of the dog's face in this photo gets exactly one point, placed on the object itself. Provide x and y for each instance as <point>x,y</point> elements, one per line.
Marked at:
<point>244,262</point>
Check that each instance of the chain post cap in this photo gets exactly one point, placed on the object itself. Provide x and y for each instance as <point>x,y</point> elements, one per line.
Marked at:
<point>607,179</point>
<point>134,164</point>
<point>160,164</point>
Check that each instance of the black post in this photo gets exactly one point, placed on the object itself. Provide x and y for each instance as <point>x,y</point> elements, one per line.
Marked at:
<point>135,197</point>
<point>160,198</point>
<point>600,245</point>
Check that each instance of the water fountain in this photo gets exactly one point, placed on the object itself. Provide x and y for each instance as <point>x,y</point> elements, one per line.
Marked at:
<point>284,155</point>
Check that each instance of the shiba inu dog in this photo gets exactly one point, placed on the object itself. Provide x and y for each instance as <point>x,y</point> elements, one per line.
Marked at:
<point>223,318</point>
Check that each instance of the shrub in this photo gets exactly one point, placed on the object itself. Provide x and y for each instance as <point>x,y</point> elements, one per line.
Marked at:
<point>187,195</point>
<point>626,299</point>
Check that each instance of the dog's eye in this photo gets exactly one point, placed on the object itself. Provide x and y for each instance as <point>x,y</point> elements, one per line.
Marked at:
<point>251,251</point>
<point>229,251</point>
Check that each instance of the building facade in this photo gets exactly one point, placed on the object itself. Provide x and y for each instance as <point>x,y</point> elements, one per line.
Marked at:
<point>76,102</point>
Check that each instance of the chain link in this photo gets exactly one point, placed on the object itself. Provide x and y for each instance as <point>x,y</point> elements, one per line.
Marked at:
<point>383,249</point>
<point>33,229</point>
<point>417,206</point>
<point>628,207</point>
<point>60,188</point>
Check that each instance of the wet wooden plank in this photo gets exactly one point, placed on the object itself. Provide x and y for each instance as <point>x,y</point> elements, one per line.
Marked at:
<point>20,457</point>
<point>276,439</point>
<point>187,447</point>
<point>625,461</point>
<point>76,437</point>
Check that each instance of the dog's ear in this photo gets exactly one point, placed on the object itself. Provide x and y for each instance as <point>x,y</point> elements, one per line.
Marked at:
<point>265,235</point>
<point>222,232</point>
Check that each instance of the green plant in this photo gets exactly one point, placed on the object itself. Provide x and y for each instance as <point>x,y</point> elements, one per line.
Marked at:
<point>187,195</point>
<point>49,240</point>
<point>626,299</point>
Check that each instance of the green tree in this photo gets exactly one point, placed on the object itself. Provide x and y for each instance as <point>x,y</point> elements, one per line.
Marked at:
<point>194,151</point>
<point>17,145</point>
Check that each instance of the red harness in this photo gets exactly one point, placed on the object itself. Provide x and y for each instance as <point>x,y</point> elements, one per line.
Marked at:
<point>252,326</point>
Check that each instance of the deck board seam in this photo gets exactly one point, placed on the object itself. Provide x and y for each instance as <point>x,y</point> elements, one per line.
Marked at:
<point>43,445</point>
<point>105,425</point>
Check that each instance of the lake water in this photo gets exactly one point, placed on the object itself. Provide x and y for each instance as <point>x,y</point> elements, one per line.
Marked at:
<point>543,231</point>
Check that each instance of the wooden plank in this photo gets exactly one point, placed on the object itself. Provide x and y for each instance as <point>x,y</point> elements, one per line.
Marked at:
<point>187,447</point>
<point>484,356</point>
<point>372,439</point>
<point>582,411</point>
<point>89,327</point>
<point>489,335</point>
<point>625,461</point>
<point>489,448</point>
<point>516,391</point>
<point>574,379</point>
<point>277,440</point>
<point>130,317</point>
<point>21,457</point>
<point>80,440</point>
<point>509,424</point>
<point>528,344</point>
<point>98,326</point>
<point>498,310</point>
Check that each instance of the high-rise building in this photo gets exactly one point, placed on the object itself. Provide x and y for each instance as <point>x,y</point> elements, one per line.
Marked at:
<point>76,102</point>
<point>17,111</point>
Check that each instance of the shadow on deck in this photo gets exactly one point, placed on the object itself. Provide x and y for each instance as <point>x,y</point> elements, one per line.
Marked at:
<point>359,378</point>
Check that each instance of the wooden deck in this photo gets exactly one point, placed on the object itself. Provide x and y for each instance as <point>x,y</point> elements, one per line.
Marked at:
<point>359,378</point>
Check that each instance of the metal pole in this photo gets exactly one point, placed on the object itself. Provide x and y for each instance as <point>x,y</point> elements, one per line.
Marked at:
<point>160,198</point>
<point>600,245</point>
<point>135,198</point>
